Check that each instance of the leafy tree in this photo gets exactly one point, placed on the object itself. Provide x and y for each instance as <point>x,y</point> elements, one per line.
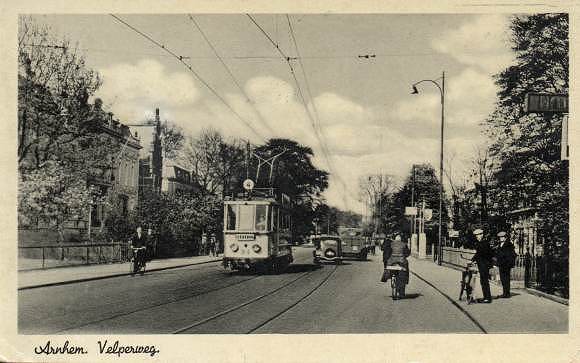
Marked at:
<point>61,146</point>
<point>294,174</point>
<point>530,172</point>
<point>426,189</point>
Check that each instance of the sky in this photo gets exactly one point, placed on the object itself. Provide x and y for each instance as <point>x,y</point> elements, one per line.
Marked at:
<point>362,109</point>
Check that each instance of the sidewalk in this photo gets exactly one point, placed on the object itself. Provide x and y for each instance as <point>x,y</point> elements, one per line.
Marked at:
<point>62,275</point>
<point>522,313</point>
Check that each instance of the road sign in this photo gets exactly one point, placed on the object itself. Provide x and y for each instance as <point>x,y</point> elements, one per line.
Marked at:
<point>428,214</point>
<point>248,184</point>
<point>410,211</point>
<point>453,233</point>
<point>546,102</point>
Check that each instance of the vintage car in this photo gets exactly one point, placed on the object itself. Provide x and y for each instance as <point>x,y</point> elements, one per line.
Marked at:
<point>354,247</point>
<point>354,244</point>
<point>327,248</point>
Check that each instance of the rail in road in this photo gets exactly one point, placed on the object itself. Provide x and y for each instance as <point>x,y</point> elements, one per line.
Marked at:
<point>260,297</point>
<point>250,278</point>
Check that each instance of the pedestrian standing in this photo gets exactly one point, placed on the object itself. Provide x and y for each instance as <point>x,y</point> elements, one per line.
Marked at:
<point>483,257</point>
<point>527,267</point>
<point>506,260</point>
<point>212,245</point>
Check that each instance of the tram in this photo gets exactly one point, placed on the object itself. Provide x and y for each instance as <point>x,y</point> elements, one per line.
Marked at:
<point>257,231</point>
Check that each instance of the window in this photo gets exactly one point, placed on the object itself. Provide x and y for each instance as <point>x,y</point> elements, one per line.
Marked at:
<point>246,216</point>
<point>261,217</point>
<point>231,217</point>
<point>274,218</point>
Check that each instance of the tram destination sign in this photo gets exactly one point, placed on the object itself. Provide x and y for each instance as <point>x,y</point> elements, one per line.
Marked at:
<point>546,102</point>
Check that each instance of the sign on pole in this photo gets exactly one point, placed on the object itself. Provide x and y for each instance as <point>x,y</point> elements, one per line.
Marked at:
<point>546,102</point>
<point>453,233</point>
<point>428,214</point>
<point>410,211</point>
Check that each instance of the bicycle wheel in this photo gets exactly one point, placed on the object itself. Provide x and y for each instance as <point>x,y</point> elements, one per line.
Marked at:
<point>394,290</point>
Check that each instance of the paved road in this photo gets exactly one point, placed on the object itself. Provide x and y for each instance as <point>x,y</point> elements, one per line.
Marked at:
<point>208,299</point>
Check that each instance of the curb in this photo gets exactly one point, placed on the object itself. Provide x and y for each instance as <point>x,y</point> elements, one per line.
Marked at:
<point>59,283</point>
<point>539,293</point>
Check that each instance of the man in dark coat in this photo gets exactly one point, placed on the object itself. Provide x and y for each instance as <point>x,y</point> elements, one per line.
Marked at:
<point>397,253</point>
<point>483,257</point>
<point>139,239</point>
<point>506,258</point>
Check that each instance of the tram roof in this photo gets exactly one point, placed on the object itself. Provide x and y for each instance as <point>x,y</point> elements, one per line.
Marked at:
<point>259,196</point>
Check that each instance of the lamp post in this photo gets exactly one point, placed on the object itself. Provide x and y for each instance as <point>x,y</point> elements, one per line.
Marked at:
<point>441,88</point>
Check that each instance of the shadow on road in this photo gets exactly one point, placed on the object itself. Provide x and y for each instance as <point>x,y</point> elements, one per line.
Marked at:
<point>298,268</point>
<point>411,296</point>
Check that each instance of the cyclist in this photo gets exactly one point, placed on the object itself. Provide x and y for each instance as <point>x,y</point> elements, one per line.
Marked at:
<point>396,253</point>
<point>139,245</point>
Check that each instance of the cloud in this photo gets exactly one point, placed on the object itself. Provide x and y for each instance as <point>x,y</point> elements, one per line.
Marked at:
<point>358,142</point>
<point>481,43</point>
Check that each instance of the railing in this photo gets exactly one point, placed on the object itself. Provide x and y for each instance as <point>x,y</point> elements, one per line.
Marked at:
<point>49,256</point>
<point>545,273</point>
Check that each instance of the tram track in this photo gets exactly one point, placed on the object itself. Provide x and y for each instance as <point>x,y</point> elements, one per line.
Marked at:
<point>258,298</point>
<point>126,313</point>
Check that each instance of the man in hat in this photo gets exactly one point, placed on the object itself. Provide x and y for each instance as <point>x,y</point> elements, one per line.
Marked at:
<point>506,259</point>
<point>483,257</point>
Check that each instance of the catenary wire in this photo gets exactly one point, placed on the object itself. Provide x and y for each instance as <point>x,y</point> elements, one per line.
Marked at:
<point>180,59</point>
<point>230,73</point>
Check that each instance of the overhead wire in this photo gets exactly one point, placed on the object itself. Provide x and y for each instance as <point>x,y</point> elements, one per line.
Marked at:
<point>232,76</point>
<point>196,74</point>
<point>324,143</point>
<point>302,98</point>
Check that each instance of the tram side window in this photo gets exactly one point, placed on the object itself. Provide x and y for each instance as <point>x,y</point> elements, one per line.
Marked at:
<point>231,222</point>
<point>274,218</point>
<point>261,216</point>
<point>246,216</point>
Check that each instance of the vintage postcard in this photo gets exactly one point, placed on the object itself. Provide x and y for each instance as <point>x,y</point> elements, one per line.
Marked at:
<point>365,183</point>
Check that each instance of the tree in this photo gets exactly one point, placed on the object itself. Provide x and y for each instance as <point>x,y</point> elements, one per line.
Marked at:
<point>377,189</point>
<point>216,164</point>
<point>423,183</point>
<point>527,146</point>
<point>61,146</point>
<point>294,175</point>
<point>173,138</point>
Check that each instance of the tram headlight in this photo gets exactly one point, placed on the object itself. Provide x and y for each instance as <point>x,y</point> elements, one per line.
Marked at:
<point>256,248</point>
<point>234,247</point>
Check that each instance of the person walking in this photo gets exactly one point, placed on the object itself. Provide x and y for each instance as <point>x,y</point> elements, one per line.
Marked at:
<point>506,260</point>
<point>483,257</point>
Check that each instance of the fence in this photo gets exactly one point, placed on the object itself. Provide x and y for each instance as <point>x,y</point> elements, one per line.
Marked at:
<point>40,257</point>
<point>545,273</point>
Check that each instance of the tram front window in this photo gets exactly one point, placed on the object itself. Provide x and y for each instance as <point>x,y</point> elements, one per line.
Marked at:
<point>261,216</point>
<point>246,216</point>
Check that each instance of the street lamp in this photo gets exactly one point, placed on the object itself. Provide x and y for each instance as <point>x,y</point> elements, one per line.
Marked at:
<point>441,88</point>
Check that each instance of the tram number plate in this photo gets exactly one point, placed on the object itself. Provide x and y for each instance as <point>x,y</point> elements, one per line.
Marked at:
<point>246,237</point>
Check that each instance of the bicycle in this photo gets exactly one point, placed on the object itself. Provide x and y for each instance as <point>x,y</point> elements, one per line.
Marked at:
<point>397,285</point>
<point>468,279</point>
<point>138,265</point>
